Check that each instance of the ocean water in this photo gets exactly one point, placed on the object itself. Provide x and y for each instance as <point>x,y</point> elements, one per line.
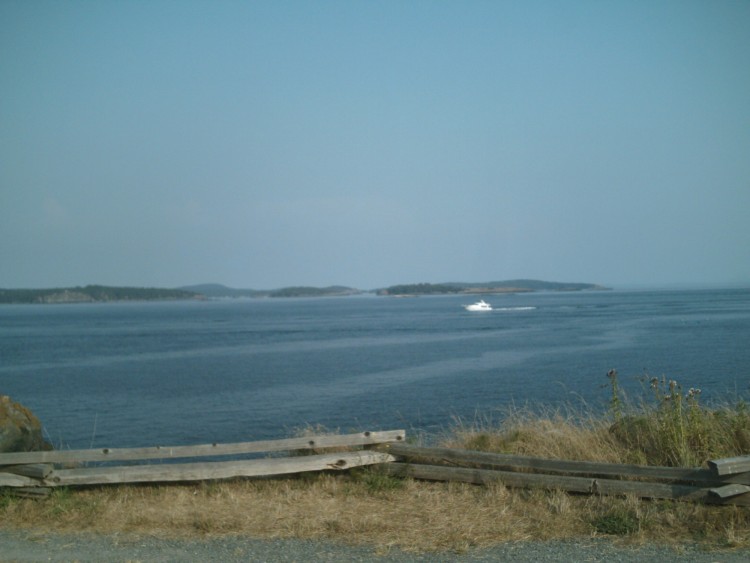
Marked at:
<point>169,373</point>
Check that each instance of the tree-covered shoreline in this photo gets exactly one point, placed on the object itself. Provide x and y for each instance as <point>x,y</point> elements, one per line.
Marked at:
<point>92,294</point>
<point>101,293</point>
<point>509,286</point>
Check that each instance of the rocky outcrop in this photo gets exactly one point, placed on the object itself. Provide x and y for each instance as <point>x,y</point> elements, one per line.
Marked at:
<point>20,430</point>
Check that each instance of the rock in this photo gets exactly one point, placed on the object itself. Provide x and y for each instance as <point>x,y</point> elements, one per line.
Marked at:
<point>20,430</point>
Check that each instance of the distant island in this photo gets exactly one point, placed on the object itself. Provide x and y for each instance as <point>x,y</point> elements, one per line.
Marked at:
<point>218,291</point>
<point>101,293</point>
<point>94,293</point>
<point>509,286</point>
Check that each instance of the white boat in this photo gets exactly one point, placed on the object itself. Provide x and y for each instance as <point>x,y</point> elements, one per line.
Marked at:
<point>480,305</point>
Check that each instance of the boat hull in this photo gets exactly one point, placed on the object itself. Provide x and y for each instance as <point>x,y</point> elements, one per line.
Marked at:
<point>479,306</point>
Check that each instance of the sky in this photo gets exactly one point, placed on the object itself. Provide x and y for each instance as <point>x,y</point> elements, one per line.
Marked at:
<point>263,144</point>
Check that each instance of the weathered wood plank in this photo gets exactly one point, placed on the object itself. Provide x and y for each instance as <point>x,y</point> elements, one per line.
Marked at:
<point>174,452</point>
<point>730,465</point>
<point>13,480</point>
<point>538,480</point>
<point>738,478</point>
<point>728,491</point>
<point>214,470</point>
<point>30,492</point>
<point>739,500</point>
<point>35,470</point>
<point>511,462</point>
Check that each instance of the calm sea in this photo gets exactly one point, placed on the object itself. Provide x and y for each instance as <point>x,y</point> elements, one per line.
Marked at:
<point>139,374</point>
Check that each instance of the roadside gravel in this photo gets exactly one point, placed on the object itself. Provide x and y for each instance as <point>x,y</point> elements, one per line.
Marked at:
<point>26,546</point>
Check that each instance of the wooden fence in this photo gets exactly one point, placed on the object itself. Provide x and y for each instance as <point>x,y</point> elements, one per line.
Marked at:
<point>725,481</point>
<point>34,473</point>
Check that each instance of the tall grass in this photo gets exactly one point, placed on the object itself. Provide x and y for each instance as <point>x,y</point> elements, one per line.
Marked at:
<point>559,433</point>
<point>673,428</point>
<point>667,426</point>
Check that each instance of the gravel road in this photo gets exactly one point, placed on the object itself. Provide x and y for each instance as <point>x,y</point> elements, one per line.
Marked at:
<point>31,546</point>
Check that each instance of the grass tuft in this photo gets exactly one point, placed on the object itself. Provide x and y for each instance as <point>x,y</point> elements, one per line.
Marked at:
<point>617,521</point>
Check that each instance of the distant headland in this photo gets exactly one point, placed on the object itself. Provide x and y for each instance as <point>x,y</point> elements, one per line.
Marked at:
<point>101,293</point>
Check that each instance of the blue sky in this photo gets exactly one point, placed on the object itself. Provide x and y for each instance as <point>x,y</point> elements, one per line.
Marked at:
<point>266,144</point>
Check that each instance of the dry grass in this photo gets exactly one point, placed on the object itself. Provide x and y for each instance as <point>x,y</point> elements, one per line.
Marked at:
<point>367,507</point>
<point>552,434</point>
<point>412,515</point>
<point>671,428</point>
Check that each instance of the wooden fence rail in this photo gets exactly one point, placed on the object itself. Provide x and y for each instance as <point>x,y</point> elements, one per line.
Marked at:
<point>728,485</point>
<point>34,470</point>
<point>173,452</point>
<point>725,481</point>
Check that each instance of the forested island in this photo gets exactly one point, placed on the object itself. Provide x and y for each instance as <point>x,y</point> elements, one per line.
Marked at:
<point>509,286</point>
<point>304,291</point>
<point>94,293</point>
<point>101,293</point>
<point>218,291</point>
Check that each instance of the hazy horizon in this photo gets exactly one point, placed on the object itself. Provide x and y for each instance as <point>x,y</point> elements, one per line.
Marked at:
<point>677,286</point>
<point>272,144</point>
